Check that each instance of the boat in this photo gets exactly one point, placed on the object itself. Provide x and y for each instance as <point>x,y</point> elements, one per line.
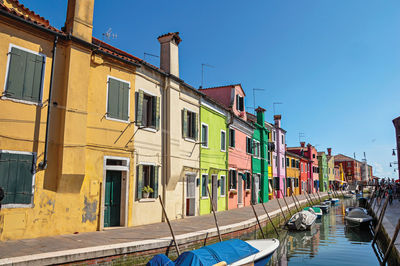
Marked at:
<point>348,209</point>
<point>349,196</point>
<point>316,210</point>
<point>334,201</point>
<point>232,252</point>
<point>302,220</point>
<point>357,217</point>
<point>324,207</point>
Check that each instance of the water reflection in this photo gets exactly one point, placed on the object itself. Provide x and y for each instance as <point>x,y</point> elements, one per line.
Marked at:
<point>330,242</point>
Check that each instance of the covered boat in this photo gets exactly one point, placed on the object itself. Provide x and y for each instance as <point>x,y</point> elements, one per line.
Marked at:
<point>348,209</point>
<point>324,207</point>
<point>334,201</point>
<point>232,252</point>
<point>316,210</point>
<point>358,217</point>
<point>302,220</point>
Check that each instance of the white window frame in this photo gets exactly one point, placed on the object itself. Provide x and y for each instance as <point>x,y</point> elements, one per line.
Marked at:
<point>223,131</point>
<point>40,103</point>
<point>208,136</point>
<point>220,191</point>
<point>234,133</point>
<point>201,181</point>
<point>129,100</point>
<point>247,189</point>
<point>251,143</point>
<point>149,129</point>
<point>18,205</point>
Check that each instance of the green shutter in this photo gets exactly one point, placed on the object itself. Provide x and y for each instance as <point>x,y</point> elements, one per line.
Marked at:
<point>155,182</point>
<point>195,127</point>
<point>157,112</point>
<point>16,73</point>
<point>113,98</point>
<point>4,175</point>
<point>33,77</point>
<point>184,123</point>
<point>139,181</point>
<point>23,192</point>
<point>139,108</point>
<point>125,100</point>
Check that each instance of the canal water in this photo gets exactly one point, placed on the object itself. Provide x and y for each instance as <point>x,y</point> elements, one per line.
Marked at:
<point>330,242</point>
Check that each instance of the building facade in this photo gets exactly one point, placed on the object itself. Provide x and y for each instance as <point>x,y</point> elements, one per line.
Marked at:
<point>280,150</point>
<point>292,173</point>
<point>323,172</point>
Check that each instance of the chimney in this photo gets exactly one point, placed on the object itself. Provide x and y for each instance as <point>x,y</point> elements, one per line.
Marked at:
<point>329,151</point>
<point>79,22</point>
<point>260,115</point>
<point>277,119</point>
<point>302,144</point>
<point>169,53</point>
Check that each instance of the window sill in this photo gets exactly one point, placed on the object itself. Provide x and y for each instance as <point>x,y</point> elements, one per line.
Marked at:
<point>147,200</point>
<point>16,205</point>
<point>190,140</point>
<point>149,129</point>
<point>204,147</point>
<point>21,101</point>
<point>117,120</point>
<point>204,198</point>
<point>223,150</point>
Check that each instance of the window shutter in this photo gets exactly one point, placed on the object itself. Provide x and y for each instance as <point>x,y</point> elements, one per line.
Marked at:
<point>237,102</point>
<point>157,104</point>
<point>184,123</point>
<point>23,192</point>
<point>33,77</point>
<point>5,175</point>
<point>124,93</point>
<point>139,181</point>
<point>113,98</point>
<point>139,108</point>
<point>155,182</point>
<point>195,127</point>
<point>16,71</point>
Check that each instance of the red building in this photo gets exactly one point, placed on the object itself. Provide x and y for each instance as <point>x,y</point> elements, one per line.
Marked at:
<point>350,166</point>
<point>304,173</point>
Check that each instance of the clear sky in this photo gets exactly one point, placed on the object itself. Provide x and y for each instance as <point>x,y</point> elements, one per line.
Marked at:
<point>334,64</point>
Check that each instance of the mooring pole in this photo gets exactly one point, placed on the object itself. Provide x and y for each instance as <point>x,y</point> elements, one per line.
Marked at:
<point>396,231</point>
<point>213,211</point>
<point>280,207</point>
<point>258,221</point>
<point>297,209</point>
<point>378,227</point>
<point>320,200</point>
<point>309,200</point>
<point>287,206</point>
<point>169,225</point>
<point>298,201</point>
<point>270,220</point>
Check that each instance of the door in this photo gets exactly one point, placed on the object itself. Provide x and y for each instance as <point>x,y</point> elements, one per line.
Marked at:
<point>190,195</point>
<point>214,191</point>
<point>112,199</point>
<point>256,188</point>
<point>240,189</point>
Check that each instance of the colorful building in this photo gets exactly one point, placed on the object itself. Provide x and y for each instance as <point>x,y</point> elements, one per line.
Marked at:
<point>271,150</point>
<point>292,173</point>
<point>304,174</point>
<point>213,156</point>
<point>351,168</point>
<point>323,172</point>
<point>330,160</point>
<point>279,165</point>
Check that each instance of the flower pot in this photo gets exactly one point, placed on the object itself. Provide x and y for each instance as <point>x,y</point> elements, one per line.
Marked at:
<point>145,194</point>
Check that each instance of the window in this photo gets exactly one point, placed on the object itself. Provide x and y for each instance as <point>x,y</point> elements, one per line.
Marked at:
<point>204,135</point>
<point>239,103</point>
<point>313,155</point>
<point>223,140</point>
<point>248,146</point>
<point>348,164</point>
<point>248,181</point>
<point>231,138</point>
<point>273,135</point>
<point>269,158</point>
<point>276,183</point>
<point>204,184</point>
<point>276,161</point>
<point>25,75</point>
<point>282,139</point>
<point>189,124</point>
<point>232,179</point>
<point>287,162</point>
<point>118,100</point>
<point>283,162</point>
<point>223,185</point>
<point>147,176</point>
<point>256,148</point>
<point>147,110</point>
<point>17,170</point>
<point>301,167</point>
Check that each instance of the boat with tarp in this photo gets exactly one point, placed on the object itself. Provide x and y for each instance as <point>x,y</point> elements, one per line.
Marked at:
<point>302,220</point>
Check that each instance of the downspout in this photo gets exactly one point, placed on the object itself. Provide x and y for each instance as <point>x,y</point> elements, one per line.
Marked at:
<point>164,138</point>
<point>43,164</point>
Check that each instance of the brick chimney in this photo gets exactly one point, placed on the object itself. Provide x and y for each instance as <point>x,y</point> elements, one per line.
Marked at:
<point>79,22</point>
<point>169,52</point>
<point>302,144</point>
<point>277,119</point>
<point>260,115</point>
<point>329,151</point>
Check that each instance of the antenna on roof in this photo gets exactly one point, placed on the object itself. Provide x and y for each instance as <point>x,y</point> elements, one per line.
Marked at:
<point>301,136</point>
<point>109,34</point>
<point>254,97</point>
<point>144,55</point>
<point>354,156</point>
<point>202,73</point>
<point>276,104</point>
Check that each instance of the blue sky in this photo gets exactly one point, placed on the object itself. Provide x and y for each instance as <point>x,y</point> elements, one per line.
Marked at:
<point>334,64</point>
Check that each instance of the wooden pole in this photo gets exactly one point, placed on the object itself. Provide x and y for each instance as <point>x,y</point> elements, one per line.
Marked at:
<point>380,220</point>
<point>258,221</point>
<point>287,206</point>
<point>320,200</point>
<point>294,199</point>
<point>284,217</point>
<point>308,199</point>
<point>169,225</point>
<point>213,211</point>
<point>387,253</point>
<point>270,220</point>
<point>298,201</point>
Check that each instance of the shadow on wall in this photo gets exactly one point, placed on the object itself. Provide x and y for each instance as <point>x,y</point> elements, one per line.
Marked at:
<point>70,183</point>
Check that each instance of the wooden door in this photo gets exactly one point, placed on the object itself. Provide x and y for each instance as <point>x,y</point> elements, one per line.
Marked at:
<point>112,199</point>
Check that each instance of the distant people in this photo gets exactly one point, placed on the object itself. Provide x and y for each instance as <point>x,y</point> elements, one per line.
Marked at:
<point>390,194</point>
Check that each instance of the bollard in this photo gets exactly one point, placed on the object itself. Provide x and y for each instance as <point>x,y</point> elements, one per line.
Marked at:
<point>258,221</point>
<point>170,227</point>
<point>380,220</point>
<point>270,220</point>
<point>396,231</point>
<point>215,217</point>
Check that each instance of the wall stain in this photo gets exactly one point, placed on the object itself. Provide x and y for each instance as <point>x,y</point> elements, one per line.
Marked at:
<point>89,211</point>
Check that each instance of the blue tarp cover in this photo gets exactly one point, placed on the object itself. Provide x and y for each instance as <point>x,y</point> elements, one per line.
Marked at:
<point>160,260</point>
<point>228,251</point>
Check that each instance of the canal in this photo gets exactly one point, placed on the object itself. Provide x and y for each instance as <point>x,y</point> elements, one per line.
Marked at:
<point>330,242</point>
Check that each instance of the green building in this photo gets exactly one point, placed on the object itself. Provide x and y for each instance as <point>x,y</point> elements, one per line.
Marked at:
<point>259,162</point>
<point>323,172</point>
<point>213,156</point>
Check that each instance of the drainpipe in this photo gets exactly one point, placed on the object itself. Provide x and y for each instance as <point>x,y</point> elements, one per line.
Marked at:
<point>43,164</point>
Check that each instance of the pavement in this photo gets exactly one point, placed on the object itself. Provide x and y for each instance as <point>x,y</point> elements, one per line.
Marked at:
<point>113,242</point>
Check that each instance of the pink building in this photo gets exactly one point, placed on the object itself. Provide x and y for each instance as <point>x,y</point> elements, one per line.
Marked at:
<point>240,132</point>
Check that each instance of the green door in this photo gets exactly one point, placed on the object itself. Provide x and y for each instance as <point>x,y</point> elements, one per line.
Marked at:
<point>112,199</point>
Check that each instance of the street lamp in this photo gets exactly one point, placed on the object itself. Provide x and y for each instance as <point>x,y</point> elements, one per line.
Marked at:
<point>394,152</point>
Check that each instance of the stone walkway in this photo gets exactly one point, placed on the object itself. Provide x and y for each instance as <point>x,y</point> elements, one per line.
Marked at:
<point>66,248</point>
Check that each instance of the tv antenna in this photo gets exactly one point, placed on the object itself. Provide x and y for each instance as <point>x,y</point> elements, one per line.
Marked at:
<point>202,72</point>
<point>109,34</point>
<point>276,103</point>
<point>301,136</point>
<point>144,55</point>
<point>254,97</point>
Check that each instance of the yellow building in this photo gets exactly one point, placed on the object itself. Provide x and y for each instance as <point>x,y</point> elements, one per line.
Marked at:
<point>331,166</point>
<point>292,173</point>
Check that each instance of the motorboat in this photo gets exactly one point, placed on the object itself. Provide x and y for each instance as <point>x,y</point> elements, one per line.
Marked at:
<point>334,201</point>
<point>324,207</point>
<point>233,252</point>
<point>302,220</point>
<point>357,217</point>
<point>316,210</point>
<point>349,196</point>
<point>348,209</point>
